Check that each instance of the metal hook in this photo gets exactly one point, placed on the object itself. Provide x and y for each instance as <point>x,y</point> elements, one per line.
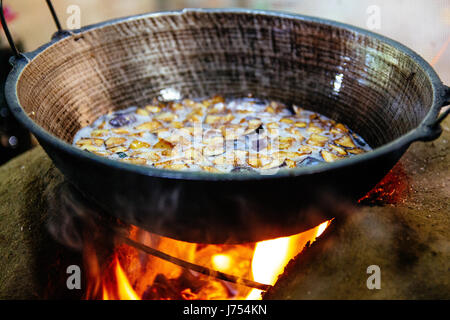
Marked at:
<point>16,52</point>
<point>55,17</point>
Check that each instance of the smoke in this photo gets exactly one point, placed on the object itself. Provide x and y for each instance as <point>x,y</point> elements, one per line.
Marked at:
<point>73,220</point>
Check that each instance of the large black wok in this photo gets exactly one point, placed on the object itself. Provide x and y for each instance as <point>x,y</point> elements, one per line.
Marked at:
<point>386,93</point>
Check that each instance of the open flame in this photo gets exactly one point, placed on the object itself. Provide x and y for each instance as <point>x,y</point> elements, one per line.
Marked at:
<point>271,256</point>
<point>133,275</point>
<point>124,290</point>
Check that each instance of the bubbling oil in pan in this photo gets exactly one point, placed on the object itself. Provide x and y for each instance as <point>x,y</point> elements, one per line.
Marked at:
<point>219,135</point>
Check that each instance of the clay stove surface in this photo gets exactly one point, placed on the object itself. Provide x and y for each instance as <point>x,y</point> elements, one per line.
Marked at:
<point>408,237</point>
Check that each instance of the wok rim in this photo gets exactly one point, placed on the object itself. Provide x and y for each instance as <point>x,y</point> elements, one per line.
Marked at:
<point>424,131</point>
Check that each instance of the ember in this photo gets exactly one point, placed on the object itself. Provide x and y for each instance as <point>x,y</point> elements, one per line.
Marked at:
<point>390,190</point>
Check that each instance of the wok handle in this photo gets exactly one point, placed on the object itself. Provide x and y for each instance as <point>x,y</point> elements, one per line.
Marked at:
<point>433,130</point>
<point>445,113</point>
<point>16,52</point>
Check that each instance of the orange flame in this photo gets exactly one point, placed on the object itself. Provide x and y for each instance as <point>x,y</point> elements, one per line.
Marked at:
<point>272,256</point>
<point>124,289</point>
<point>263,261</point>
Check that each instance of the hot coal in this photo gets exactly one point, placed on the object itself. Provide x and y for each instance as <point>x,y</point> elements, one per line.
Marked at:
<point>185,287</point>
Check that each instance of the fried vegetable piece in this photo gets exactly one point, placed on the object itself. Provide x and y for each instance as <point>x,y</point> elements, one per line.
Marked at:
<point>137,144</point>
<point>210,169</point>
<point>100,153</point>
<point>282,155</point>
<point>89,148</point>
<point>300,124</point>
<point>345,141</point>
<point>314,128</point>
<point>285,142</point>
<point>290,163</point>
<point>89,142</point>
<point>152,156</point>
<point>120,131</point>
<point>171,165</point>
<point>117,149</point>
<point>177,166</point>
<point>355,151</point>
<point>114,142</point>
<point>317,140</point>
<point>150,126</point>
<point>99,132</point>
<point>274,163</point>
<point>142,112</point>
<point>341,127</point>
<point>253,125</point>
<point>153,108</point>
<point>305,150</point>
<point>287,120</point>
<point>260,160</point>
<point>328,156</point>
<point>177,124</point>
<point>163,144</point>
<point>166,116</point>
<point>338,150</point>
<point>233,132</point>
<point>140,161</point>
